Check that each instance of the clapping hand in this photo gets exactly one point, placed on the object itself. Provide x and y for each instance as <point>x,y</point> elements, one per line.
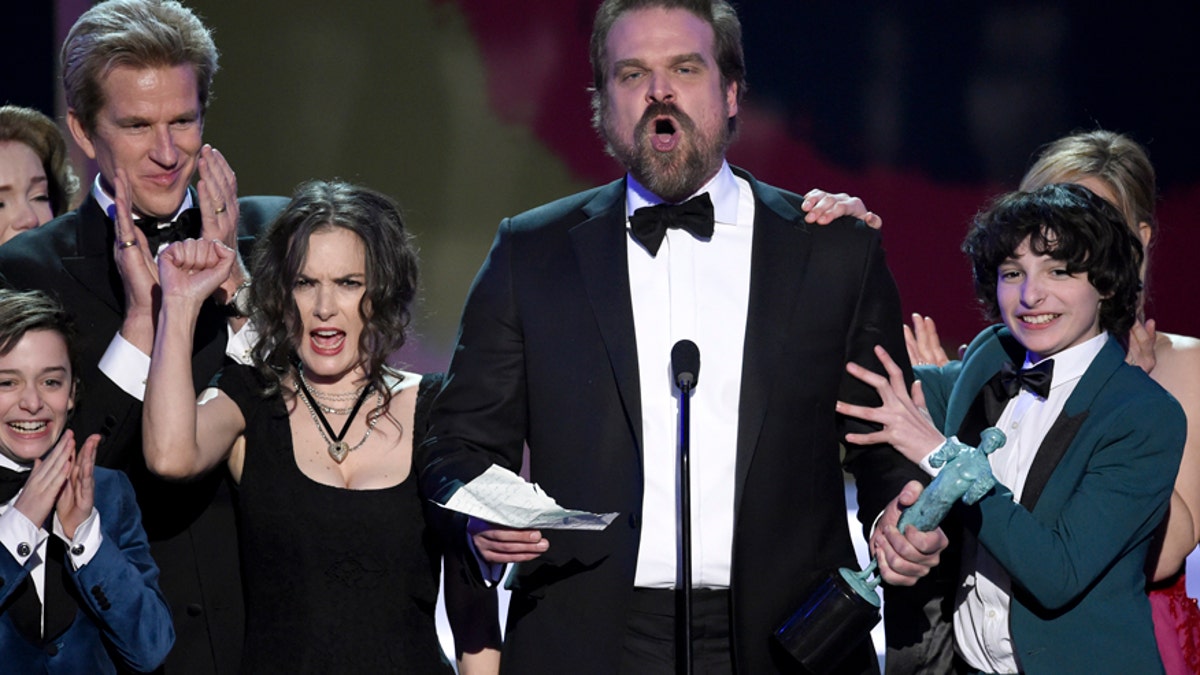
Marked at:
<point>135,265</point>
<point>219,210</point>
<point>217,191</point>
<point>46,480</point>
<point>924,346</point>
<point>77,496</point>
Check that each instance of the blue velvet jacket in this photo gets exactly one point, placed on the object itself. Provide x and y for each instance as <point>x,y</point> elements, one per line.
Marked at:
<point>123,615</point>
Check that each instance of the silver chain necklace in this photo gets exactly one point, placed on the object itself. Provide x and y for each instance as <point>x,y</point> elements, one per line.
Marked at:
<point>338,448</point>
<point>319,396</point>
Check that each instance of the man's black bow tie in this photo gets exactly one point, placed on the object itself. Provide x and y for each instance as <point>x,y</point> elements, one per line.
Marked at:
<point>649,223</point>
<point>1036,379</point>
<point>160,232</point>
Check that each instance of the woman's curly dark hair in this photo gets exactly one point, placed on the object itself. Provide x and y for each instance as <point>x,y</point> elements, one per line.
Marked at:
<point>1068,223</point>
<point>391,276</point>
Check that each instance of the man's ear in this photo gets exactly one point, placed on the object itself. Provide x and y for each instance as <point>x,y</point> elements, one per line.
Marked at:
<point>82,139</point>
<point>731,98</point>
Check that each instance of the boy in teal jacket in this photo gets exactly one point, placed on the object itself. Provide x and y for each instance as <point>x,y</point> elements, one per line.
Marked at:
<point>1051,576</point>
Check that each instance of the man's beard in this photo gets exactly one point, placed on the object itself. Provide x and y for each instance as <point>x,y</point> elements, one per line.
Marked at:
<point>676,175</point>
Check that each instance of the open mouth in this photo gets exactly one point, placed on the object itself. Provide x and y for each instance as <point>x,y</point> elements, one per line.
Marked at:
<point>327,341</point>
<point>665,136</point>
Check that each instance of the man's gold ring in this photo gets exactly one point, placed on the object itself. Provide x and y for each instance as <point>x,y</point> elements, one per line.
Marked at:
<point>220,210</point>
<point>127,244</point>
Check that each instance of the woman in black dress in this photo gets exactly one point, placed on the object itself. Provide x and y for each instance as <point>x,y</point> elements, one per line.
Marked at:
<point>339,568</point>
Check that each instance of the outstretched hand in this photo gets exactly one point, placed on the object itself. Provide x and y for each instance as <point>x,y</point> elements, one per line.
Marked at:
<point>501,545</point>
<point>193,268</point>
<point>824,207</point>
<point>905,557</point>
<point>906,423</point>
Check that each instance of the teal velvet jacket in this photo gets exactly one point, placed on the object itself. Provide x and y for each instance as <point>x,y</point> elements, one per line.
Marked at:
<point>1075,547</point>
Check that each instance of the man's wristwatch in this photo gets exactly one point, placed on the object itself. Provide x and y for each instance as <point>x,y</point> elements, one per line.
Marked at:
<point>239,302</point>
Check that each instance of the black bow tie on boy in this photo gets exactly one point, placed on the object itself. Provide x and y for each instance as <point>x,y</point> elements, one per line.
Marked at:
<point>11,482</point>
<point>1035,378</point>
<point>649,223</point>
<point>23,606</point>
<point>160,232</point>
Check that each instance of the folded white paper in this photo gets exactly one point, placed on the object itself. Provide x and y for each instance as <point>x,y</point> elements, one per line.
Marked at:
<point>501,497</point>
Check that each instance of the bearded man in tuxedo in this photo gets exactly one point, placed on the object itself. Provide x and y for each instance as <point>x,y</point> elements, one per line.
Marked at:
<point>565,343</point>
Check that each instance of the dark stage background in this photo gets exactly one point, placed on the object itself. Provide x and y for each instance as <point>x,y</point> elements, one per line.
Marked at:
<point>470,110</point>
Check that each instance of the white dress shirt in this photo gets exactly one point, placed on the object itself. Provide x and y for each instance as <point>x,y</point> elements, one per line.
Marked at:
<point>981,616</point>
<point>26,541</point>
<point>698,290</point>
<point>126,365</point>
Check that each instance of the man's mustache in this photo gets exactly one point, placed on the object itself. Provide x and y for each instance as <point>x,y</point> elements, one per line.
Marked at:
<point>663,109</point>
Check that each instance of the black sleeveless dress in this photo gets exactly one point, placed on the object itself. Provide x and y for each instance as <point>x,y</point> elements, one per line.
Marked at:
<point>335,580</point>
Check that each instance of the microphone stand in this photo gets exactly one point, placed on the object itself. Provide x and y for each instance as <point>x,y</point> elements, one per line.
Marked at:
<point>685,525</point>
<point>685,368</point>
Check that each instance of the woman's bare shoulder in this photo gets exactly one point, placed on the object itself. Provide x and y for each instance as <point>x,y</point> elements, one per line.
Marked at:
<point>1177,369</point>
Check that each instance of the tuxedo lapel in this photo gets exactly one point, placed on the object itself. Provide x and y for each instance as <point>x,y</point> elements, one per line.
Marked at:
<point>779,255</point>
<point>92,264</point>
<point>1049,453</point>
<point>966,415</point>
<point>1076,411</point>
<point>600,248</point>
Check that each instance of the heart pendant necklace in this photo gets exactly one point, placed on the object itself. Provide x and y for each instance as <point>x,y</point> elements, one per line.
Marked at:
<point>338,448</point>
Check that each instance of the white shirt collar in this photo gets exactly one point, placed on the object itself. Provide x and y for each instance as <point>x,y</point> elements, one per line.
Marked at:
<point>1071,363</point>
<point>722,189</point>
<point>7,463</point>
<point>109,205</point>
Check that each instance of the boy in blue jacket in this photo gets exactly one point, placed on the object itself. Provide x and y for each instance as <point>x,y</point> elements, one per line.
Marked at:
<point>78,588</point>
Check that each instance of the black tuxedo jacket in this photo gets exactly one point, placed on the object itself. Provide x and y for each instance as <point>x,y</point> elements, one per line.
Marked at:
<point>190,525</point>
<point>546,356</point>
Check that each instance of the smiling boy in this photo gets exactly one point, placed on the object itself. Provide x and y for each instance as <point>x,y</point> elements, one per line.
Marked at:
<point>78,589</point>
<point>1051,573</point>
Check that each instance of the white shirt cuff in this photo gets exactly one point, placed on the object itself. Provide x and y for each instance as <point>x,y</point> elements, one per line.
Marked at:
<point>241,342</point>
<point>19,535</point>
<point>126,366</point>
<point>87,539</point>
<point>926,466</point>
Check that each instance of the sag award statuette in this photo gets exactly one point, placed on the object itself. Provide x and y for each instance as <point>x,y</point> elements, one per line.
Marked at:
<point>841,611</point>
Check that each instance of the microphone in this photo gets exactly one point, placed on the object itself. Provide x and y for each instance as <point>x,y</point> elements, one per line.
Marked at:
<point>685,364</point>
